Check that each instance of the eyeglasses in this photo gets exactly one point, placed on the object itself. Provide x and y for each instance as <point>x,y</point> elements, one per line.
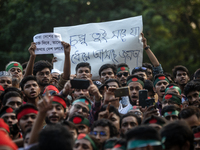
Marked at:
<point>42,74</point>
<point>80,107</point>
<point>101,133</point>
<point>119,75</point>
<point>143,68</point>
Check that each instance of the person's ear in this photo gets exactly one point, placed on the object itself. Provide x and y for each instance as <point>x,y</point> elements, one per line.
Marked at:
<point>90,76</point>
<point>23,94</point>
<point>154,89</point>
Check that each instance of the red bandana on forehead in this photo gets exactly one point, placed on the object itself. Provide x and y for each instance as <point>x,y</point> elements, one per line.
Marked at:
<point>117,146</point>
<point>171,86</point>
<point>59,100</point>
<point>153,121</point>
<point>161,77</point>
<point>81,136</point>
<point>25,112</point>
<point>15,64</point>
<point>77,120</point>
<point>123,68</point>
<point>168,96</point>
<point>134,79</point>
<point>9,110</point>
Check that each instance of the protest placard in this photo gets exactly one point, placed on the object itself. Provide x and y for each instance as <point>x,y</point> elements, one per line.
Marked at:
<point>48,43</point>
<point>100,43</point>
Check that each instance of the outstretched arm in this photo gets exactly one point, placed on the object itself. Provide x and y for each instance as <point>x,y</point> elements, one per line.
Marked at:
<point>29,67</point>
<point>67,64</point>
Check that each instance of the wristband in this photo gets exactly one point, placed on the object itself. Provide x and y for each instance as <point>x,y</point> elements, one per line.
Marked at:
<point>147,47</point>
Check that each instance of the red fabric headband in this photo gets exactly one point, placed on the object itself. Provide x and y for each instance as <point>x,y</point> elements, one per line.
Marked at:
<point>197,135</point>
<point>51,87</point>
<point>59,100</point>
<point>26,111</point>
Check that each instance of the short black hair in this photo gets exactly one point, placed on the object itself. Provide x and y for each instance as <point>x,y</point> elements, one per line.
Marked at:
<point>191,87</point>
<point>106,66</point>
<point>139,70</point>
<point>179,67</point>
<point>105,123</point>
<point>196,130</point>
<point>26,79</point>
<point>40,65</point>
<point>148,66</point>
<point>110,143</point>
<point>197,74</point>
<point>112,80</point>
<point>169,75</point>
<point>9,95</point>
<point>130,114</point>
<point>24,106</point>
<point>177,133</point>
<point>9,89</point>
<point>143,132</point>
<point>83,64</point>
<point>149,86</point>
<point>70,125</point>
<point>55,137</point>
<point>189,111</point>
<point>24,65</point>
<point>170,108</point>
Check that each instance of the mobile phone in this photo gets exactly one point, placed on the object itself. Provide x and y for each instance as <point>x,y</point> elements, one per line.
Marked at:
<point>79,84</point>
<point>123,91</point>
<point>142,98</point>
<point>150,102</point>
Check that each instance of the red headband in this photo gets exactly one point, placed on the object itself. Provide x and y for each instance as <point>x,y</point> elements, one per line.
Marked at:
<point>26,111</point>
<point>59,100</point>
<point>197,135</point>
<point>51,87</point>
<point>1,88</point>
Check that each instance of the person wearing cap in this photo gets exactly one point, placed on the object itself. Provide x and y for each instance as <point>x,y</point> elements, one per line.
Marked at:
<point>143,137</point>
<point>5,79</point>
<point>30,90</point>
<point>81,123</point>
<point>57,113</point>
<point>85,141</point>
<point>9,117</point>
<point>26,115</point>
<point>160,83</point>
<point>16,70</point>
<point>55,75</point>
<point>81,105</point>
<point>135,84</point>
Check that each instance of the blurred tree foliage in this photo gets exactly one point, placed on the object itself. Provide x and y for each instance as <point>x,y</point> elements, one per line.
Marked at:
<point>171,27</point>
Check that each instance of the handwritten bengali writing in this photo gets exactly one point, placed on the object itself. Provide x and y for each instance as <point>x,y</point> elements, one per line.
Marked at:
<point>101,36</point>
<point>104,54</point>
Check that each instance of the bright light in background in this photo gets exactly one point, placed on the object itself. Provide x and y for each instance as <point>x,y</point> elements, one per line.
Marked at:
<point>193,25</point>
<point>88,2</point>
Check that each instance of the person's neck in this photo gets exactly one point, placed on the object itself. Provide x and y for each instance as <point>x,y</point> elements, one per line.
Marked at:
<point>182,87</point>
<point>42,88</point>
<point>16,136</point>
<point>160,99</point>
<point>33,101</point>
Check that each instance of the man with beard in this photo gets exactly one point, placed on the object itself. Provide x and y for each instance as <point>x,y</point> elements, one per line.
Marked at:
<point>9,117</point>
<point>192,91</point>
<point>135,84</point>
<point>26,115</point>
<point>181,77</point>
<point>122,74</point>
<point>107,71</point>
<point>16,70</point>
<point>5,79</point>
<point>160,84</point>
<point>30,89</point>
<point>57,112</point>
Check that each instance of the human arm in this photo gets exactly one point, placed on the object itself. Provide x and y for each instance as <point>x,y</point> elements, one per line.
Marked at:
<point>30,65</point>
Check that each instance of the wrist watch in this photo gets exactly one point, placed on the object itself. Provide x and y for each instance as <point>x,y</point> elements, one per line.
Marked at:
<point>147,47</point>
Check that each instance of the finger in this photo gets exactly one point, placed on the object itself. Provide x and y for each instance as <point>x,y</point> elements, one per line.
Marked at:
<point>104,89</point>
<point>90,81</point>
<point>108,107</point>
<point>110,116</point>
<point>142,35</point>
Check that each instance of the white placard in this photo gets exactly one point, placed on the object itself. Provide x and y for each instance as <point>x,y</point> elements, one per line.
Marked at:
<point>100,43</point>
<point>48,43</point>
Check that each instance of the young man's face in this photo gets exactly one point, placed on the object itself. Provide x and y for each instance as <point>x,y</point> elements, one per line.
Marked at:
<point>82,128</point>
<point>181,77</point>
<point>160,88</point>
<point>83,73</point>
<point>149,74</point>
<point>122,76</point>
<point>10,118</point>
<point>43,77</point>
<point>27,121</point>
<point>82,144</point>
<point>14,102</point>
<point>6,82</point>
<point>193,97</point>
<point>171,117</point>
<point>192,121</point>
<point>106,74</point>
<point>56,113</point>
<point>72,131</point>
<point>115,120</point>
<point>31,89</point>
<point>128,123</point>
<point>79,108</point>
<point>16,73</point>
<point>80,92</point>
<point>101,137</point>
<point>134,91</point>
<point>141,74</point>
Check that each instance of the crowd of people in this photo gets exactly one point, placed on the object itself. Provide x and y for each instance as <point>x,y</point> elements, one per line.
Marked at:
<point>40,109</point>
